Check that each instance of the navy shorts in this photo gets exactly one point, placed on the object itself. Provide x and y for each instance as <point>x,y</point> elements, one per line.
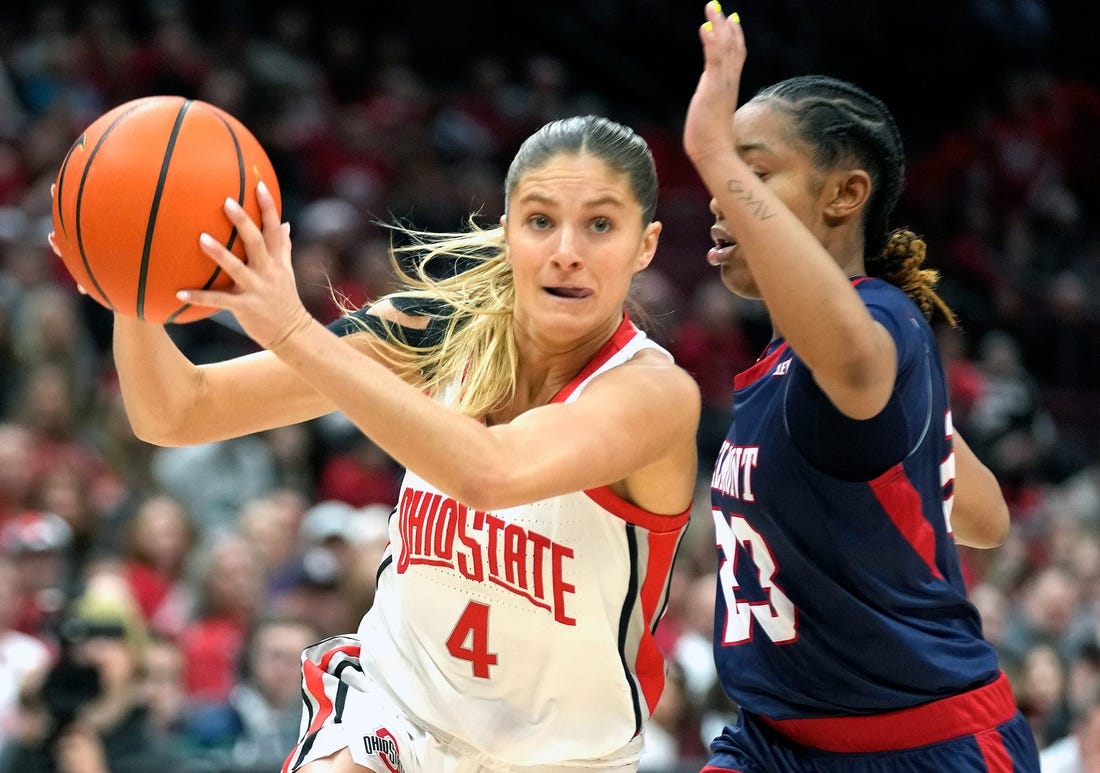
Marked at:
<point>977,732</point>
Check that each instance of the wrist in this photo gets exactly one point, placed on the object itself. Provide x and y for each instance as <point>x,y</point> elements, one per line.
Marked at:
<point>299,321</point>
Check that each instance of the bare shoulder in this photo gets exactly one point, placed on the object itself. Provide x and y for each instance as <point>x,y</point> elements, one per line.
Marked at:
<point>651,374</point>
<point>657,406</point>
<point>659,361</point>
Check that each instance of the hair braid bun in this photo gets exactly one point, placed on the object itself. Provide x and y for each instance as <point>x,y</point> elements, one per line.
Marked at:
<point>900,263</point>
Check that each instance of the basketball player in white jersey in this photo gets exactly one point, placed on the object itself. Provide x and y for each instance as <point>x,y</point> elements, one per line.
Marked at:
<point>550,449</point>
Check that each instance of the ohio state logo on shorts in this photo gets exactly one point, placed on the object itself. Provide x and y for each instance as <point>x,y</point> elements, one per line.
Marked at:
<point>384,747</point>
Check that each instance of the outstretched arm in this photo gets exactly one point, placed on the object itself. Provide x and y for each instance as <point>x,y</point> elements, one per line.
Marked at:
<point>170,401</point>
<point>852,357</point>
<point>633,427</point>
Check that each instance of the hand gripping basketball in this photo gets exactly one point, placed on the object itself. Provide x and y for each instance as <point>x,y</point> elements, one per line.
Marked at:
<point>264,297</point>
<point>135,190</point>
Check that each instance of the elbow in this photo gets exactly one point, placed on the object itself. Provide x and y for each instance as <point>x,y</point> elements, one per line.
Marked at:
<point>861,368</point>
<point>163,418</point>
<point>997,521</point>
<point>991,532</point>
<point>155,433</point>
<point>978,541</point>
<point>858,386</point>
<point>165,427</point>
<point>984,541</point>
<point>997,532</point>
<point>489,487</point>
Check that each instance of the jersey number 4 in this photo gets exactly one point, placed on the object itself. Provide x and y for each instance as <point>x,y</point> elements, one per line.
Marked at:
<point>470,639</point>
<point>777,616</point>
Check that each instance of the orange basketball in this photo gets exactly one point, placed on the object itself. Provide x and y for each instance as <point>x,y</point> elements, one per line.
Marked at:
<point>138,187</point>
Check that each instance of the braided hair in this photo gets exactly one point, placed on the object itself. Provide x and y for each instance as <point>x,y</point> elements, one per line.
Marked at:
<point>841,123</point>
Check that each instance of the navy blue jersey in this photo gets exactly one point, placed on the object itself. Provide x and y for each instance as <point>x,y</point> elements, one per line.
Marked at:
<point>839,594</point>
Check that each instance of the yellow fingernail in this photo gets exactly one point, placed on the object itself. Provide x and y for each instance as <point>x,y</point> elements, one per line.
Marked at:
<point>717,5</point>
<point>708,26</point>
<point>736,17</point>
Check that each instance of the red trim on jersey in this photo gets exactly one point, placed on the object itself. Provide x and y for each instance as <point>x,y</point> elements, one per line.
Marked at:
<point>994,754</point>
<point>650,670</point>
<point>746,377</point>
<point>764,364</point>
<point>631,513</point>
<point>314,674</point>
<point>623,334</point>
<point>900,500</point>
<point>604,496</point>
<point>971,713</point>
<point>650,664</point>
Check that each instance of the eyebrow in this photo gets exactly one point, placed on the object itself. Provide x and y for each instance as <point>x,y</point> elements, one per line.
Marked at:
<point>600,201</point>
<point>749,147</point>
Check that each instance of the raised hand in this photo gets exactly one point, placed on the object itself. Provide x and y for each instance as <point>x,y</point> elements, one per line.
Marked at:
<point>264,297</point>
<point>708,126</point>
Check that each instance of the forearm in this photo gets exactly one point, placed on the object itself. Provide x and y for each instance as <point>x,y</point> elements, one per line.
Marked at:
<point>414,429</point>
<point>807,294</point>
<point>159,384</point>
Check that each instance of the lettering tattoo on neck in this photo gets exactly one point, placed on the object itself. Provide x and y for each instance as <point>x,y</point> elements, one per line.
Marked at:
<point>758,207</point>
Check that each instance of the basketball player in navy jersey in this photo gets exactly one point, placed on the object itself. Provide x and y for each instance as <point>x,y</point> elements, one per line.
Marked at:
<point>842,629</point>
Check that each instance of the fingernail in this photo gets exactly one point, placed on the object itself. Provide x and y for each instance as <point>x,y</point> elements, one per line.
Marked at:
<point>231,203</point>
<point>207,240</point>
<point>717,5</point>
<point>183,295</point>
<point>736,17</point>
<point>262,186</point>
<point>708,26</point>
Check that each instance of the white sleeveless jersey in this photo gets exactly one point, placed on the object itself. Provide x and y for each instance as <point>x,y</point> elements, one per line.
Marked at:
<point>528,632</point>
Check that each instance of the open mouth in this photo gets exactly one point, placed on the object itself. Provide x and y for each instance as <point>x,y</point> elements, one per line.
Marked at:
<point>720,252</point>
<point>723,245</point>
<point>569,292</point>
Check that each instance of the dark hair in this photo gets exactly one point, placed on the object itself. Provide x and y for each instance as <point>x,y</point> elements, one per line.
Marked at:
<point>841,123</point>
<point>616,145</point>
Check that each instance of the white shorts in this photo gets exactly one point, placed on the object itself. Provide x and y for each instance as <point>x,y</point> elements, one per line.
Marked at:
<point>346,708</point>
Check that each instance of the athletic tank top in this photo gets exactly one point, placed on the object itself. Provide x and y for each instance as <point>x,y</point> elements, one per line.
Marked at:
<point>526,632</point>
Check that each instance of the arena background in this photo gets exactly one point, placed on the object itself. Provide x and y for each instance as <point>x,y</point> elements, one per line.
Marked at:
<point>377,110</point>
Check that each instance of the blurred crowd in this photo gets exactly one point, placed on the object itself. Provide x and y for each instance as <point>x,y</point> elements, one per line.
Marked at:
<point>191,578</point>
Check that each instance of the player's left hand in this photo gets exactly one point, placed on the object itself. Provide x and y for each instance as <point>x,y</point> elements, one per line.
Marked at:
<point>51,237</point>
<point>264,297</point>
